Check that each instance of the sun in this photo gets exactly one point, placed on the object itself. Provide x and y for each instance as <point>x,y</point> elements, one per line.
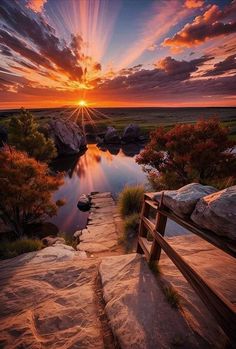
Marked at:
<point>82,103</point>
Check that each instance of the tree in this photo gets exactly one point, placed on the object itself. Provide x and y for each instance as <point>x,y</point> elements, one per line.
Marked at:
<point>24,135</point>
<point>199,152</point>
<point>26,190</point>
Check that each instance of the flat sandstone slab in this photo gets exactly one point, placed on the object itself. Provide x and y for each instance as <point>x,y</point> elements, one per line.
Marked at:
<point>49,305</point>
<point>139,314</point>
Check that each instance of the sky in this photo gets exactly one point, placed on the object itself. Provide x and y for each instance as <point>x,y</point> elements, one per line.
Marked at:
<point>117,53</point>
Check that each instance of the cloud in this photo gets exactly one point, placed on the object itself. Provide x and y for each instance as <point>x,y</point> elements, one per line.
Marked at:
<point>224,66</point>
<point>170,81</point>
<point>20,47</point>
<point>5,51</point>
<point>49,49</point>
<point>181,70</point>
<point>36,5</point>
<point>209,25</point>
<point>193,3</point>
<point>167,73</point>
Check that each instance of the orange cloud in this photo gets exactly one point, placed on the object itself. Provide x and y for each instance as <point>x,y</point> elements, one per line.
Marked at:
<point>209,25</point>
<point>194,3</point>
<point>36,5</point>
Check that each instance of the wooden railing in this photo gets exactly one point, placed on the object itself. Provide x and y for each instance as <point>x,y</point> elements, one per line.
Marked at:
<point>222,310</point>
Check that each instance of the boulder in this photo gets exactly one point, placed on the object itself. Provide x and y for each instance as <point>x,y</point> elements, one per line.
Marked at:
<point>111,136</point>
<point>183,201</point>
<point>3,135</point>
<point>217,212</point>
<point>49,240</point>
<point>84,203</point>
<point>68,137</point>
<point>131,133</point>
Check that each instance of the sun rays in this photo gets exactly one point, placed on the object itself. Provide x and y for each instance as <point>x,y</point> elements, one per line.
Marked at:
<point>84,115</point>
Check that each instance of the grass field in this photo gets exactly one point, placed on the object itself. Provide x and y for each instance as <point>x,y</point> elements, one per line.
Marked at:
<point>147,118</point>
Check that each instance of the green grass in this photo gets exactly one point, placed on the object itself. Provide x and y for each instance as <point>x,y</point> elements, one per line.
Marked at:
<point>154,267</point>
<point>10,249</point>
<point>69,240</point>
<point>131,224</point>
<point>172,296</point>
<point>130,200</point>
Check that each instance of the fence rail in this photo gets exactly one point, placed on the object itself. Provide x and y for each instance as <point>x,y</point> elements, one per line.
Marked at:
<point>222,310</point>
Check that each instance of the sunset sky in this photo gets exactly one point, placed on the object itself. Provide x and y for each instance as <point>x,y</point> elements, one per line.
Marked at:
<point>117,53</point>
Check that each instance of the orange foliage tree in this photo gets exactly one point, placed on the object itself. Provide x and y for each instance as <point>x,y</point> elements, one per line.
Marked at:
<point>25,190</point>
<point>200,152</point>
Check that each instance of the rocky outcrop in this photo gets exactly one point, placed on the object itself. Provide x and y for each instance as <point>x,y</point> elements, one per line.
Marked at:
<point>68,137</point>
<point>183,201</point>
<point>217,212</point>
<point>139,314</point>
<point>131,133</point>
<point>49,301</point>
<point>112,136</point>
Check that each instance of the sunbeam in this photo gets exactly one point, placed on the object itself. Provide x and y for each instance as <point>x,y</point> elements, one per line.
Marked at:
<point>85,115</point>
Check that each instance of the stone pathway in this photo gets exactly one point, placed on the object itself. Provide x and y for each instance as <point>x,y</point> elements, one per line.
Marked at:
<point>102,232</point>
<point>98,297</point>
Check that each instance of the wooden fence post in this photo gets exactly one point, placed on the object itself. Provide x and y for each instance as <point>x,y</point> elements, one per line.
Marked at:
<point>160,226</point>
<point>142,231</point>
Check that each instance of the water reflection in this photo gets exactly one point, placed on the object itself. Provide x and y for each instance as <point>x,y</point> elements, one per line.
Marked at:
<point>105,169</point>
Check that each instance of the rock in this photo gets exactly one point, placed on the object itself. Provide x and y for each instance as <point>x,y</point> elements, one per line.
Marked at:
<point>138,313</point>
<point>50,305</point>
<point>49,240</point>
<point>3,135</point>
<point>214,266</point>
<point>77,234</point>
<point>112,136</point>
<point>83,203</point>
<point>217,212</point>
<point>183,201</point>
<point>131,133</point>
<point>82,254</point>
<point>68,137</point>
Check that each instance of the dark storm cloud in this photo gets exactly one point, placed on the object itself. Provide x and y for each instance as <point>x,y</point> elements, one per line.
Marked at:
<point>225,66</point>
<point>214,22</point>
<point>40,35</point>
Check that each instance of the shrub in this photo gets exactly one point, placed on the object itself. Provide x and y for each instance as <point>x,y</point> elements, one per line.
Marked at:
<point>26,189</point>
<point>25,135</point>
<point>172,296</point>
<point>154,267</point>
<point>15,248</point>
<point>188,153</point>
<point>130,200</point>
<point>131,225</point>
